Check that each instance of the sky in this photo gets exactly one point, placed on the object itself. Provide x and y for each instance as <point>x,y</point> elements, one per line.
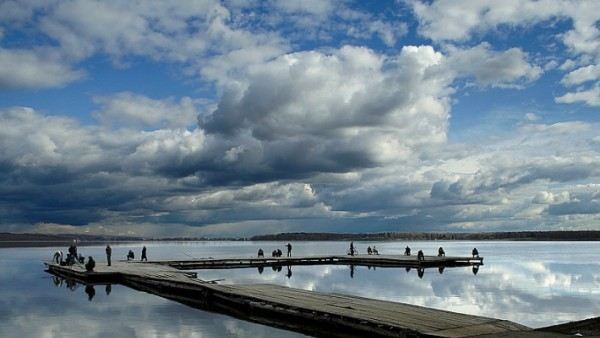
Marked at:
<point>234,118</point>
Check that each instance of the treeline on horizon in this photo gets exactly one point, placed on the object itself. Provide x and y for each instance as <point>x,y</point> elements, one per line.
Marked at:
<point>580,235</point>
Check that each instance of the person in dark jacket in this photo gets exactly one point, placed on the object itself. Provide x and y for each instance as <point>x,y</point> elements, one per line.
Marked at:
<point>108,254</point>
<point>130,255</point>
<point>289,250</point>
<point>261,253</point>
<point>475,252</point>
<point>407,251</point>
<point>90,265</point>
<point>441,252</point>
<point>420,255</point>
<point>144,257</point>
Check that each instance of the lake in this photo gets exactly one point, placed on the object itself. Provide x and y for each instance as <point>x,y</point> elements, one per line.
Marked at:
<point>533,283</point>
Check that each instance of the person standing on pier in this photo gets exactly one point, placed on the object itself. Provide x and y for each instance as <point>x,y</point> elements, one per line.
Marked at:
<point>144,257</point>
<point>351,248</point>
<point>407,251</point>
<point>289,250</point>
<point>108,254</point>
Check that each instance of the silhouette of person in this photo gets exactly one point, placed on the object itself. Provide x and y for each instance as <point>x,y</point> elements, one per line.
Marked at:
<point>420,255</point>
<point>261,269</point>
<point>289,250</point>
<point>441,270</point>
<point>108,254</point>
<point>108,289</point>
<point>58,257</point>
<point>407,251</point>
<point>90,265</point>
<point>144,257</point>
<point>351,271</point>
<point>130,255</point>
<point>475,269</point>
<point>441,252</point>
<point>351,248</point>
<point>89,289</point>
<point>420,272</point>
<point>475,252</point>
<point>261,253</point>
<point>369,250</point>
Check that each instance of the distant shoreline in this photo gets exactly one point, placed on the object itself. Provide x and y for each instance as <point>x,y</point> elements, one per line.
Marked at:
<point>45,240</point>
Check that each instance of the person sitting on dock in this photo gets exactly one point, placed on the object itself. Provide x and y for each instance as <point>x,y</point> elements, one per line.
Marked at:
<point>130,255</point>
<point>58,257</point>
<point>90,265</point>
<point>144,256</point>
<point>369,251</point>
<point>407,251</point>
<point>441,252</point>
<point>289,250</point>
<point>108,254</point>
<point>375,252</point>
<point>261,253</point>
<point>475,253</point>
<point>420,255</point>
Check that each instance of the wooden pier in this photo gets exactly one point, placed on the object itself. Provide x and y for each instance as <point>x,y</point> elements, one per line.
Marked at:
<point>356,260</point>
<point>314,313</point>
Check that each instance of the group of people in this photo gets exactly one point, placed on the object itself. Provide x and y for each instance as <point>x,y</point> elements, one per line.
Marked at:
<point>74,258</point>
<point>370,251</point>
<point>276,252</point>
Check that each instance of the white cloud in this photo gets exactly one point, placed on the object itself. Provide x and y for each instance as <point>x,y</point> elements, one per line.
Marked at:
<point>581,75</point>
<point>590,97</point>
<point>20,68</point>
<point>491,68</point>
<point>461,21</point>
<point>129,109</point>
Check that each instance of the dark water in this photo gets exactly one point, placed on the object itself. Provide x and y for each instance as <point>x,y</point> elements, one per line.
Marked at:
<point>532,283</point>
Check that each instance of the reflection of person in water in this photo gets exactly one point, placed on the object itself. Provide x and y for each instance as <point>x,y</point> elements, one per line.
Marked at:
<point>71,285</point>
<point>89,289</point>
<point>351,271</point>
<point>441,270</point>
<point>261,269</point>
<point>108,289</point>
<point>57,281</point>
<point>289,272</point>
<point>475,269</point>
<point>407,269</point>
<point>420,272</point>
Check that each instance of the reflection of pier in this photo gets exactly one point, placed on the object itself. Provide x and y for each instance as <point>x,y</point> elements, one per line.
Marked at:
<point>357,260</point>
<point>305,311</point>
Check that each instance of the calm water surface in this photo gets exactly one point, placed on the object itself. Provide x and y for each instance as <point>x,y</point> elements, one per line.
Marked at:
<point>532,283</point>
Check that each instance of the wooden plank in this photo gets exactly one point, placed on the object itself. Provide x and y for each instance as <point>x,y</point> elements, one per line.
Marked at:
<point>353,311</point>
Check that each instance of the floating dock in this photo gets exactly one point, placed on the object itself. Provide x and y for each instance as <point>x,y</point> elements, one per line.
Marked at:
<point>356,260</point>
<point>314,313</point>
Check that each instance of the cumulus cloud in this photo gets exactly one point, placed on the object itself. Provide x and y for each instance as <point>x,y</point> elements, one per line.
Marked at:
<point>461,21</point>
<point>590,96</point>
<point>491,68</point>
<point>21,68</point>
<point>127,108</point>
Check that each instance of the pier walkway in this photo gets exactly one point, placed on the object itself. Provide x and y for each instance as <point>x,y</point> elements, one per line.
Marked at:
<point>357,260</point>
<point>315,313</point>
